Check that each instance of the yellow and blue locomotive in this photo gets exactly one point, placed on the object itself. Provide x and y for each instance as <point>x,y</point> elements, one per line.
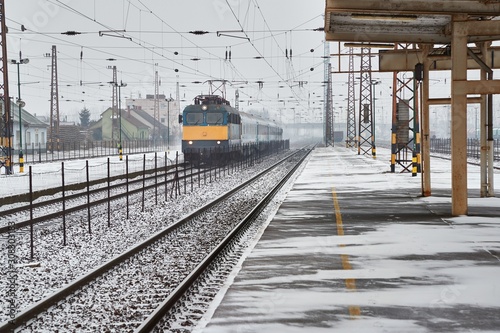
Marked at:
<point>214,131</point>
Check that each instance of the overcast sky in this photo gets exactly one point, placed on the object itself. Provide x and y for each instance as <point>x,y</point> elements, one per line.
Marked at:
<point>140,37</point>
<point>157,32</point>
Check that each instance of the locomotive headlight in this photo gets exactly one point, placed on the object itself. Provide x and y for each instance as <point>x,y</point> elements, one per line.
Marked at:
<point>218,142</point>
<point>204,107</point>
<point>190,142</point>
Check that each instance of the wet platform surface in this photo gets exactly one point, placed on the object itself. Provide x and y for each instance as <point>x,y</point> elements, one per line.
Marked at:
<point>354,248</point>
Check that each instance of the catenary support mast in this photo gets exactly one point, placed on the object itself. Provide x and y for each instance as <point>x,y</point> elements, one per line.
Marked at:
<point>54,104</point>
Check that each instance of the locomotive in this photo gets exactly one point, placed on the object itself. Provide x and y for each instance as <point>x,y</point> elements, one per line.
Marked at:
<point>214,132</point>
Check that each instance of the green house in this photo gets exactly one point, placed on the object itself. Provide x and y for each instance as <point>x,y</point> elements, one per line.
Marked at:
<point>132,128</point>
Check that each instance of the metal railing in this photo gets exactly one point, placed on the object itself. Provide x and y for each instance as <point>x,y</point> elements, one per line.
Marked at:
<point>39,153</point>
<point>443,146</point>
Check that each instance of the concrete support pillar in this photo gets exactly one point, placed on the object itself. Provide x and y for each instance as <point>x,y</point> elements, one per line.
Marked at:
<point>459,205</point>
<point>426,145</point>
<point>483,132</point>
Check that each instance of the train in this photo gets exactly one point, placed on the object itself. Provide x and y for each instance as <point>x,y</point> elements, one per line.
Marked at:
<point>214,132</point>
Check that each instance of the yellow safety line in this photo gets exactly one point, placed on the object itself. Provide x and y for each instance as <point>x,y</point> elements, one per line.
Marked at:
<point>354,311</point>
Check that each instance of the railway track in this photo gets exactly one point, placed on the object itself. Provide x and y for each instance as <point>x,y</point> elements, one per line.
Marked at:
<point>138,287</point>
<point>102,192</point>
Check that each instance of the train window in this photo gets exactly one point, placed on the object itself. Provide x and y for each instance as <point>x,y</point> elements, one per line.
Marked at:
<point>194,118</point>
<point>215,118</point>
<point>235,118</point>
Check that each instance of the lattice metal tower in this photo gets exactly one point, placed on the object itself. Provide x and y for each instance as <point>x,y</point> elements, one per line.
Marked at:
<point>177,92</point>
<point>237,100</point>
<point>404,120</point>
<point>351,104</point>
<point>54,104</point>
<point>115,117</point>
<point>156,108</point>
<point>6,124</point>
<point>366,142</point>
<point>329,137</point>
<point>327,129</point>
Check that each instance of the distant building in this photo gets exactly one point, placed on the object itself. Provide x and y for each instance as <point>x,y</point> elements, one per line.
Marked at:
<point>33,130</point>
<point>169,110</point>
<point>136,124</point>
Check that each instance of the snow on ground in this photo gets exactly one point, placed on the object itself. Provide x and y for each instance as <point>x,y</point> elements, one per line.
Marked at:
<point>413,275</point>
<point>56,265</point>
<point>447,283</point>
<point>48,175</point>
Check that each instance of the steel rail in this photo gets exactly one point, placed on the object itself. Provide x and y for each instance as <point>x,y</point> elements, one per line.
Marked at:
<point>82,186</point>
<point>166,306</point>
<point>36,309</point>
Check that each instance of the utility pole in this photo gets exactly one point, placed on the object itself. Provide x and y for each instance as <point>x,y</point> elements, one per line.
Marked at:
<point>120,143</point>
<point>237,100</point>
<point>20,105</point>
<point>6,121</point>
<point>329,137</point>
<point>366,142</point>
<point>327,130</point>
<point>54,103</point>
<point>404,124</point>
<point>115,130</point>
<point>156,108</point>
<point>351,104</point>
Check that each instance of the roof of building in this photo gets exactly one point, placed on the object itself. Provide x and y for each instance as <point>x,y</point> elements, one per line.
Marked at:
<point>128,117</point>
<point>26,117</point>
<point>134,121</point>
<point>147,117</point>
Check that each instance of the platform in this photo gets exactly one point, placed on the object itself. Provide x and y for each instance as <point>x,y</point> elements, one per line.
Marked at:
<point>354,248</point>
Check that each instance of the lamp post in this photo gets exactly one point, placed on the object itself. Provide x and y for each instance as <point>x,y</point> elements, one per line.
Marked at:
<point>21,104</point>
<point>120,148</point>
<point>168,124</point>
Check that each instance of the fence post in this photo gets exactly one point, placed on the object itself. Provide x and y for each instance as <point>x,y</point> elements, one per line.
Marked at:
<point>31,215</point>
<point>88,195</point>
<point>156,178</point>
<point>126,181</point>
<point>210,165</point>
<point>109,194</point>
<point>63,204</point>
<point>143,179</point>
<point>166,176</point>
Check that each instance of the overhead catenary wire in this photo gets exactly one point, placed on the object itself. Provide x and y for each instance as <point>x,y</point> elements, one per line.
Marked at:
<point>158,50</point>
<point>259,52</point>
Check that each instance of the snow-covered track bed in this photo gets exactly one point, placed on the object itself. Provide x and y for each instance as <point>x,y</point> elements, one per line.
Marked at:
<point>44,263</point>
<point>200,285</point>
<point>120,294</point>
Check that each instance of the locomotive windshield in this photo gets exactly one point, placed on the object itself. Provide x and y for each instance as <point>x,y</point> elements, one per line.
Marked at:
<point>194,118</point>
<point>215,118</point>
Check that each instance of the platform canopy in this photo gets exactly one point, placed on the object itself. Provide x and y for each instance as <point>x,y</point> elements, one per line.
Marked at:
<point>409,21</point>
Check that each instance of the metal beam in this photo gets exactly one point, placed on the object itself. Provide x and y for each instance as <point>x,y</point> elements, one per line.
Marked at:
<point>367,34</point>
<point>482,87</point>
<point>443,7</point>
<point>484,28</point>
<point>447,101</point>
<point>405,60</point>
